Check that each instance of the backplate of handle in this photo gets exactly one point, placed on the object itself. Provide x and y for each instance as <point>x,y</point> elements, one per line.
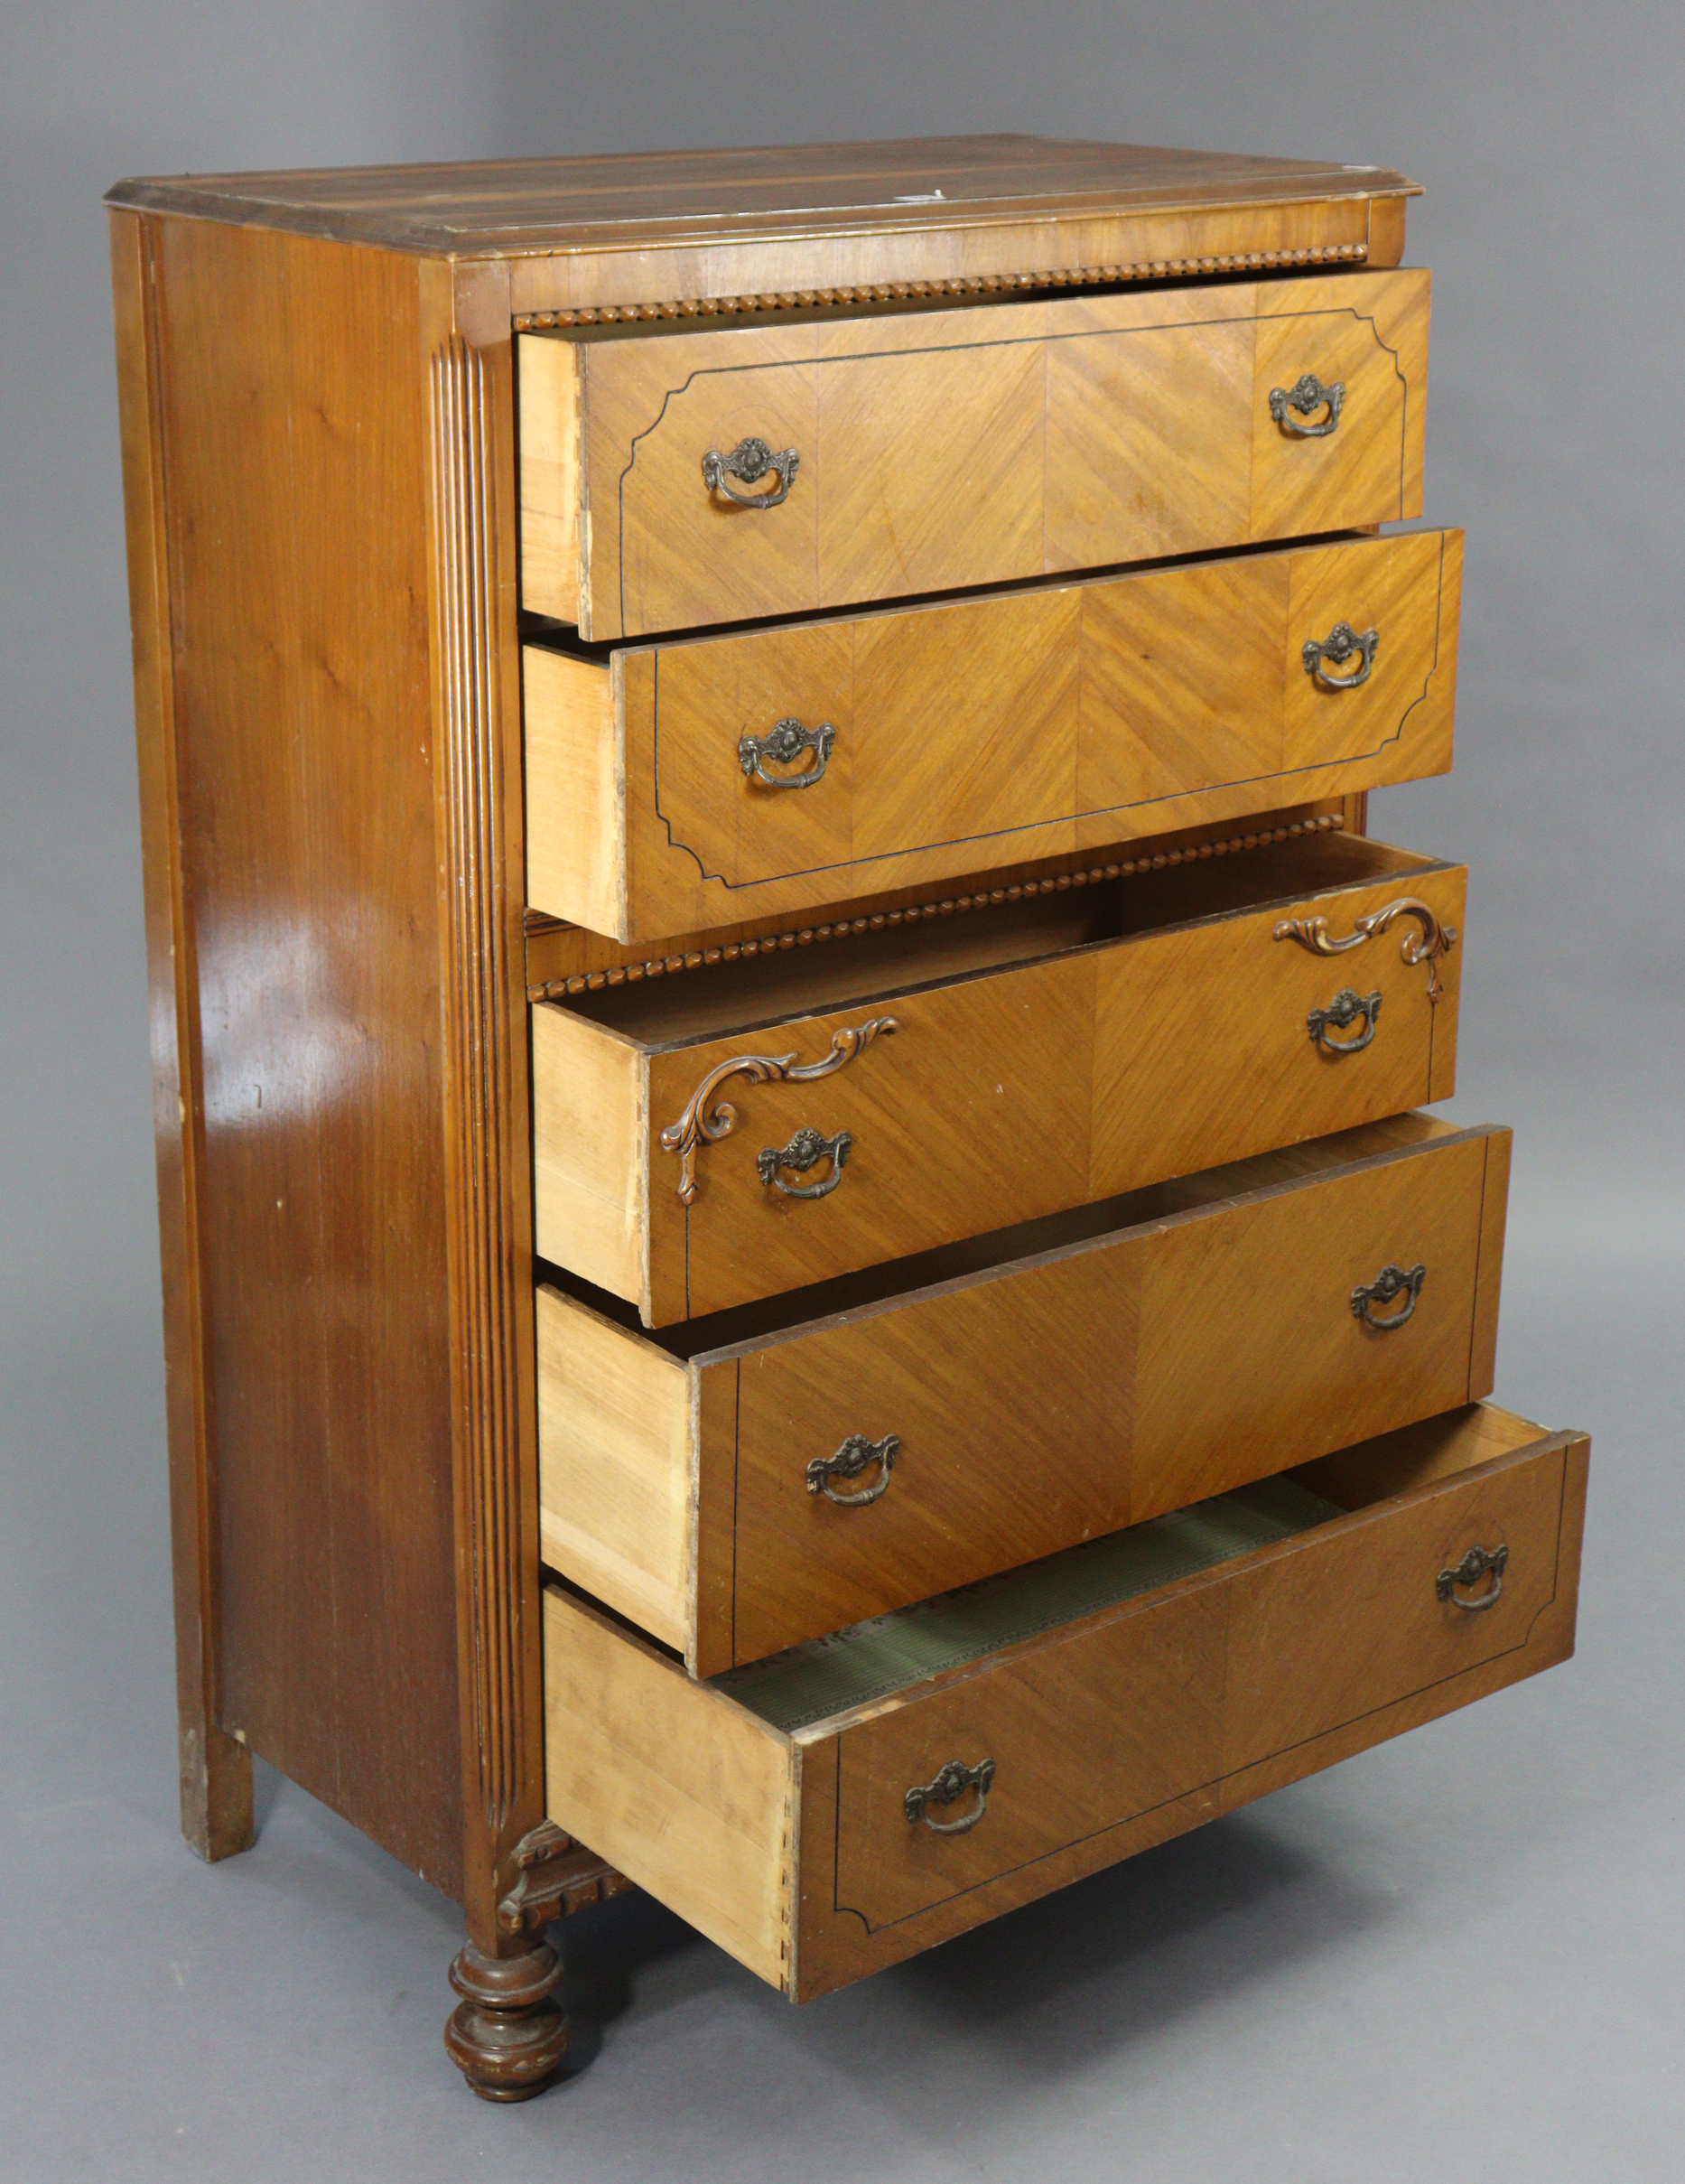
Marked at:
<point>750,460</point>
<point>1341,644</point>
<point>848,1460</point>
<point>1390,1282</point>
<point>1306,395</point>
<point>1345,1009</point>
<point>951,1784</point>
<point>1479,1562</point>
<point>782,744</point>
<point>805,1149</point>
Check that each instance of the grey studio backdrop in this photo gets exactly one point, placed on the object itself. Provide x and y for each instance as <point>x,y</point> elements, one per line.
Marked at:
<point>1458,1954</point>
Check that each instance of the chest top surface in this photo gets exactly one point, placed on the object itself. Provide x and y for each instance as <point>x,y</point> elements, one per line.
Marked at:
<point>510,208</point>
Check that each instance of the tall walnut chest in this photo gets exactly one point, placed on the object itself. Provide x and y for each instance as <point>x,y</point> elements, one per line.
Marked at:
<point>804,1259</point>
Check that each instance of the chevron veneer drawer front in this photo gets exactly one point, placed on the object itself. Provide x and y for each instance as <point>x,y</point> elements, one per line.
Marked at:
<point>767,1476</point>
<point>673,480</point>
<point>675,787</point>
<point>850,1803</point>
<point>707,1139</point>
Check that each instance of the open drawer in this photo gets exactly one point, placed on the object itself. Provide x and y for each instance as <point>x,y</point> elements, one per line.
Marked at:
<point>861,1798</point>
<point>676,787</point>
<point>752,1127</point>
<point>669,480</point>
<point>769,1475</point>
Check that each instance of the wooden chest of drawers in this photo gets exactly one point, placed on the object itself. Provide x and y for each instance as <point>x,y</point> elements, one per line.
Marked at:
<point>801,1261</point>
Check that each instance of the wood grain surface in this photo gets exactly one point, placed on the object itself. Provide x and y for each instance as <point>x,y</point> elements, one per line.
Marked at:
<point>215,1768</point>
<point>1109,1733</point>
<point>549,420</point>
<point>304,822</point>
<point>986,445</point>
<point>664,193</point>
<point>564,960</point>
<point>486,1118</point>
<point>694,1795</point>
<point>1062,1391</point>
<point>617,1438</point>
<point>1007,727</point>
<point>1040,1060</point>
<point>1324,1645</point>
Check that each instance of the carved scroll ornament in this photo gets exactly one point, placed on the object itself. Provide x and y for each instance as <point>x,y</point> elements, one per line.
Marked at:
<point>1428,946</point>
<point>701,1124</point>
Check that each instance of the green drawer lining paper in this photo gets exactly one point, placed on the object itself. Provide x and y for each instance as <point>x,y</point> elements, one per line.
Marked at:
<point>869,1660</point>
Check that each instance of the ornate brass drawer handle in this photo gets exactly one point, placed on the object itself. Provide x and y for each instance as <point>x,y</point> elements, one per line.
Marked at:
<point>1345,1009</point>
<point>1428,946</point>
<point>782,743</point>
<point>854,1456</point>
<point>1479,1562</point>
<point>1307,394</point>
<point>1342,643</point>
<point>1390,1283</point>
<point>951,1782</point>
<point>701,1125</point>
<point>750,460</point>
<point>805,1149</point>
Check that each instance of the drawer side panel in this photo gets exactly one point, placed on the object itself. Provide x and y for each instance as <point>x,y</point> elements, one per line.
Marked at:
<point>685,1794</point>
<point>1494,1207</point>
<point>615,1464</point>
<point>547,383</point>
<point>576,845</point>
<point>590,1101</point>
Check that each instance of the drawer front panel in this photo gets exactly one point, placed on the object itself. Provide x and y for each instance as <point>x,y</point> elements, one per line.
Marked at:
<point>1201,1048</point>
<point>948,449</point>
<point>1083,1732</point>
<point>971,1115</point>
<point>1297,1640</point>
<point>1353,1620</point>
<point>930,739</point>
<point>1002,1097</point>
<point>794,1851</point>
<point>1056,1400</point>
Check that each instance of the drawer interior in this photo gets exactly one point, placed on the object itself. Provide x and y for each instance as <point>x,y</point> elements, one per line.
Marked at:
<point>825,1678</point>
<point>901,958</point>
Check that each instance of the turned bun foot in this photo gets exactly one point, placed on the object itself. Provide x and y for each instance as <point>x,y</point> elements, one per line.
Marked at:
<point>507,2036</point>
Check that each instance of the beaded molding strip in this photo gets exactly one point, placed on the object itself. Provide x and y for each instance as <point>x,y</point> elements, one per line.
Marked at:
<point>981,284</point>
<point>657,967</point>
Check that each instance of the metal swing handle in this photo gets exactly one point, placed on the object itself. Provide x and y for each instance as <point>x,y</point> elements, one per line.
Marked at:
<point>950,1783</point>
<point>750,460</point>
<point>1390,1283</point>
<point>1479,1562</point>
<point>1345,1009</point>
<point>1306,395</point>
<point>805,1149</point>
<point>1341,644</point>
<point>781,745</point>
<point>850,1458</point>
